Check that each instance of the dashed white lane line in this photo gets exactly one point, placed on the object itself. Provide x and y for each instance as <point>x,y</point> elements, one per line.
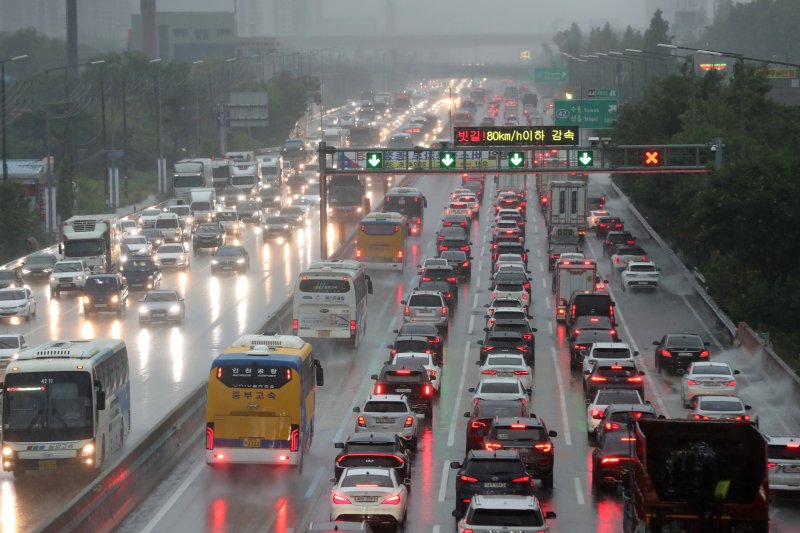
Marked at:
<point>445,478</point>
<point>579,491</point>
<point>550,328</point>
<point>562,398</point>
<point>541,268</point>
<point>480,265</point>
<point>475,301</point>
<point>346,418</point>
<point>313,486</point>
<point>702,322</point>
<point>279,511</point>
<point>544,284</point>
<point>471,324</point>
<point>436,529</point>
<point>547,303</point>
<point>451,436</point>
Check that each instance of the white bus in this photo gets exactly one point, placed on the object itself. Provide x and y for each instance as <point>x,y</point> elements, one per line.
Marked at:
<point>330,301</point>
<point>66,403</point>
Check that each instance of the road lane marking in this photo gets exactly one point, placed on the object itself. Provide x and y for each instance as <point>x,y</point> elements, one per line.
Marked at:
<point>702,322</point>
<point>349,412</point>
<point>392,323</point>
<point>562,398</point>
<point>547,303</point>
<point>436,529</point>
<point>471,324</point>
<point>478,283</point>
<point>480,264</point>
<point>544,284</point>
<point>451,436</point>
<point>475,301</point>
<point>483,250</point>
<point>277,513</point>
<point>174,498</point>
<point>314,482</point>
<point>445,478</point>
<point>550,328</point>
<point>538,252</point>
<point>541,268</point>
<point>579,491</point>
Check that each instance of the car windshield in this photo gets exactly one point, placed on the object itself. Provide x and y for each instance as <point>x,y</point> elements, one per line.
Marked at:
<point>9,343</point>
<point>167,223</point>
<point>706,370</point>
<point>619,445</point>
<point>68,267</point>
<point>518,432</point>
<point>7,296</point>
<point>720,405</point>
<point>150,213</point>
<point>454,255</point>
<point>408,358</point>
<point>507,303</point>
<point>506,517</point>
<point>208,229</point>
<point>493,408</point>
<point>134,241</point>
<point>418,329</point>
<point>171,249</point>
<point>502,360</point>
<point>229,251</point>
<point>161,297</point>
<point>180,210</point>
<point>385,407</point>
<point>367,481</point>
<point>500,387</point>
<point>611,353</point>
<point>226,215</point>
<point>137,265</point>
<point>425,300</point>
<point>494,466</point>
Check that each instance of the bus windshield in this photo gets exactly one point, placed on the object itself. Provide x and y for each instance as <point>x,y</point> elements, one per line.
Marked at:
<point>83,248</point>
<point>48,406</point>
<point>243,180</point>
<point>328,286</point>
<point>372,228</point>
<point>410,206</point>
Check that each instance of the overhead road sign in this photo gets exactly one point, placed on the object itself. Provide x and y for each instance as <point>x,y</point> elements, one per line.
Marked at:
<point>516,159</point>
<point>602,93</point>
<point>585,158</point>
<point>789,73</point>
<point>651,157</point>
<point>593,113</point>
<point>248,110</point>
<point>447,159</point>
<point>374,160</point>
<point>550,74</point>
<point>516,136</point>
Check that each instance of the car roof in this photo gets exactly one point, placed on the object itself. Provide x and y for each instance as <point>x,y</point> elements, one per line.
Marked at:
<point>485,454</point>
<point>529,421</point>
<point>505,502</point>
<point>642,407</point>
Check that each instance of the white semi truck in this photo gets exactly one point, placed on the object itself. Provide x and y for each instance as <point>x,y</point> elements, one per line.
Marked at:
<point>93,238</point>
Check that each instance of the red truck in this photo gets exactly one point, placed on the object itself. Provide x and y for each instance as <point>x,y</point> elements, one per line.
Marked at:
<point>697,477</point>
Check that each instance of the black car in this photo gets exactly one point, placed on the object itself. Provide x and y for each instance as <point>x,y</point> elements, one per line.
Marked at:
<point>105,292</point>
<point>271,196</point>
<point>609,223</point>
<point>249,211</point>
<point>412,381</point>
<point>580,344</point>
<point>529,437</point>
<point>413,343</point>
<point>276,226</point>
<point>589,303</point>
<point>39,266</point>
<point>510,340</point>
<point>613,375</point>
<point>208,235</point>
<point>11,279</point>
<point>612,456</point>
<point>591,322</point>
<point>378,450</point>
<point>141,273</point>
<point>676,351</point>
<point>516,325</point>
<point>420,329</point>
<point>230,258</point>
<point>490,472</point>
<point>444,273</point>
<point>451,232</point>
<point>615,238</point>
<point>483,414</point>
<point>460,262</point>
<point>455,244</point>
<point>510,248</point>
<point>450,296</point>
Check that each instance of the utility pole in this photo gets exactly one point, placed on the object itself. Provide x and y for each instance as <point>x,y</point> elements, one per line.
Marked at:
<point>3,114</point>
<point>161,166</point>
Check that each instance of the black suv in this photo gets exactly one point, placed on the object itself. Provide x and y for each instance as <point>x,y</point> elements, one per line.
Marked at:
<point>485,472</point>
<point>459,261</point>
<point>450,296</point>
<point>521,326</point>
<point>677,351</point>
<point>415,344</point>
<point>412,381</point>
<point>615,238</point>
<point>105,292</point>
<point>378,450</point>
<point>483,414</point>
<point>429,331</point>
<point>530,439</point>
<point>613,375</point>
<point>510,248</point>
<point>510,340</point>
<point>141,273</point>
<point>208,235</point>
<point>588,303</point>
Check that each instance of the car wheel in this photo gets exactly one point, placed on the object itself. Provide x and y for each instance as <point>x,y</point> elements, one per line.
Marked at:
<point>547,481</point>
<point>658,364</point>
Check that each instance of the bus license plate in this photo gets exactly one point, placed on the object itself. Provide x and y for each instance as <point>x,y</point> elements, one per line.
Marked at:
<point>251,442</point>
<point>49,464</point>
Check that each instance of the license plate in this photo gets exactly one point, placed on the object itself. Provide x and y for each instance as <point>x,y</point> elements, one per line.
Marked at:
<point>791,468</point>
<point>100,305</point>
<point>711,384</point>
<point>49,464</point>
<point>227,268</point>
<point>384,420</point>
<point>684,354</point>
<point>403,389</point>
<point>643,283</point>
<point>251,442</point>
<point>505,374</point>
<point>159,315</point>
<point>366,499</point>
<point>494,485</point>
<point>324,333</point>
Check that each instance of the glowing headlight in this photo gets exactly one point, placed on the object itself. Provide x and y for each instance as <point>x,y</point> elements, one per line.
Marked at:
<point>144,310</point>
<point>240,261</point>
<point>240,197</point>
<point>114,299</point>
<point>79,278</point>
<point>214,262</point>
<point>87,449</point>
<point>15,356</point>
<point>26,271</point>
<point>175,309</point>
<point>53,278</point>
<point>7,451</point>
<point>85,299</point>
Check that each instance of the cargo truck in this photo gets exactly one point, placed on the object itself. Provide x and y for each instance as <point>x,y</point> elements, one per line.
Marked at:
<point>696,477</point>
<point>191,174</point>
<point>572,275</point>
<point>516,183</point>
<point>203,205</point>
<point>346,197</point>
<point>93,238</point>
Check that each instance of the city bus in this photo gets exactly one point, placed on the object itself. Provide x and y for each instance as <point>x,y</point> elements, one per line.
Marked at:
<point>260,405</point>
<point>330,301</point>
<point>66,403</point>
<point>381,241</point>
<point>410,202</point>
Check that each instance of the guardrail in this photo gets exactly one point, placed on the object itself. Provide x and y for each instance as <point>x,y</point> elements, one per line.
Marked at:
<point>106,502</point>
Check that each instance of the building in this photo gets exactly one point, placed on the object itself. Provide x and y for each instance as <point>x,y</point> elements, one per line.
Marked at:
<point>189,36</point>
<point>277,18</point>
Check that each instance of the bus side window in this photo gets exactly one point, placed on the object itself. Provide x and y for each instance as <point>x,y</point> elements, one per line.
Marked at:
<point>369,284</point>
<point>319,373</point>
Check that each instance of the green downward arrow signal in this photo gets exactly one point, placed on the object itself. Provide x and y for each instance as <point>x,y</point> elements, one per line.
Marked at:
<point>586,158</point>
<point>516,159</point>
<point>374,160</point>
<point>446,159</point>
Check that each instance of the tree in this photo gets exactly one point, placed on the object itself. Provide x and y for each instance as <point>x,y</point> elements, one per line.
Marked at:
<point>658,32</point>
<point>17,221</point>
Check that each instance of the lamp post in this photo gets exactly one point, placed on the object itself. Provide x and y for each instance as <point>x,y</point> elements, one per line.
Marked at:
<point>3,112</point>
<point>162,168</point>
<point>631,59</point>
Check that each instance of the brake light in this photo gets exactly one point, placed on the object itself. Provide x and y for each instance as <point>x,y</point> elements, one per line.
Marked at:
<point>772,465</point>
<point>358,253</point>
<point>520,372</point>
<point>210,436</point>
<point>295,325</point>
<point>352,326</point>
<point>409,422</point>
<point>407,311</point>
<point>464,248</point>
<point>694,382</point>
<point>362,422</point>
<point>378,389</point>
<point>704,353</point>
<point>294,439</point>
<point>392,500</point>
<point>489,372</point>
<point>580,346</point>
<point>338,499</point>
<point>610,426</point>
<point>452,280</point>
<point>518,426</point>
<point>444,310</point>
<point>527,336</point>
<point>523,479</point>
<point>442,248</point>
<point>616,367</point>
<point>403,372</point>
<point>465,264</point>
<point>546,447</point>
<point>467,479</point>
<point>635,379</point>
<point>598,379</point>
<point>666,353</point>
<point>428,390</point>
<point>491,322</point>
<point>732,383</point>
<point>616,259</point>
<point>491,446</point>
<point>609,460</point>
<point>526,286</point>
<point>700,417</point>
<point>573,310</point>
<point>478,425</point>
<point>793,446</point>
<point>522,348</point>
<point>487,347</point>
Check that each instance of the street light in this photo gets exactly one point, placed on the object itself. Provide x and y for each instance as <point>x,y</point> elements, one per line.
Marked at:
<point>162,167</point>
<point>3,112</point>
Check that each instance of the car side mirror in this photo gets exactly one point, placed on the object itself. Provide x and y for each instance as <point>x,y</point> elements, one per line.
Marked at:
<point>486,305</point>
<point>485,329</point>
<point>403,302</point>
<point>480,343</point>
<point>529,391</point>
<point>390,346</point>
<point>635,353</point>
<point>641,372</point>
<point>549,515</point>
<point>662,417</point>
<point>395,331</point>
<point>369,284</point>
<point>552,433</point>
<point>706,344</point>
<point>319,374</point>
<point>587,372</point>
<point>455,464</point>
<point>374,376</point>
<point>101,400</point>
<point>747,407</point>
<point>471,389</point>
<point>478,363</point>
<point>736,372</point>
<point>656,343</point>
<point>338,445</point>
<point>456,514</point>
<point>332,480</point>
<point>535,330</point>
<point>467,415</point>
<point>531,316</point>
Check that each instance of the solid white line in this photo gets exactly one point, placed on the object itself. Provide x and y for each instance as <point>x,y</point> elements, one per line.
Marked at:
<point>579,492</point>
<point>174,498</point>
<point>443,483</point>
<point>471,324</point>
<point>550,328</point>
<point>392,323</point>
<point>451,436</point>
<point>562,398</point>
<point>702,322</point>
<point>314,482</point>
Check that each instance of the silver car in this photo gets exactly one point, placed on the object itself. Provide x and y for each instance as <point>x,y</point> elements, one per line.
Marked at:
<point>783,462</point>
<point>390,413</point>
<point>17,303</point>
<point>426,306</point>
<point>719,408</point>
<point>162,306</point>
<point>704,378</point>
<point>10,347</point>
<point>499,513</point>
<point>172,255</point>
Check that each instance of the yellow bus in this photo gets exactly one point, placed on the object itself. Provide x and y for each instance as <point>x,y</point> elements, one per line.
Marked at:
<point>260,406</point>
<point>381,240</point>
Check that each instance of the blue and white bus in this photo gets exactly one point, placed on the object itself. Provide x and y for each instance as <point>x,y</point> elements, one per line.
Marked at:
<point>66,403</point>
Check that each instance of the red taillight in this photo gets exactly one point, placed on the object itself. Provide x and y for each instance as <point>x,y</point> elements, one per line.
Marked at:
<point>392,500</point>
<point>478,425</point>
<point>442,248</point>
<point>546,447</point>
<point>635,379</point>
<point>428,390</point>
<point>409,422</point>
<point>520,372</point>
<point>403,372</point>
<point>362,422</point>
<point>609,460</point>
<point>338,499</point>
<point>465,264</point>
<point>295,325</point>
<point>464,248</point>
<point>487,348</point>
<point>444,310</point>
<point>467,479</point>
<point>294,439</point>
<point>527,336</point>
<point>666,353</point>
<point>598,379</point>
<point>523,479</point>
<point>407,311</point>
<point>378,388</point>
<point>573,310</point>
<point>491,446</point>
<point>731,383</point>
<point>489,372</point>
<point>352,326</point>
<point>693,382</point>
<point>704,353</point>
<point>522,348</point>
<point>210,436</point>
<point>597,414</point>
<point>772,465</point>
<point>358,253</point>
<point>610,426</point>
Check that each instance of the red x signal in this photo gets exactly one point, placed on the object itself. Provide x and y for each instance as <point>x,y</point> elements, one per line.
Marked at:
<point>652,158</point>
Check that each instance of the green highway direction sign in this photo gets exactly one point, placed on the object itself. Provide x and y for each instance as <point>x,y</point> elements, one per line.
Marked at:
<point>374,160</point>
<point>550,74</point>
<point>516,159</point>
<point>602,93</point>
<point>585,158</point>
<point>447,159</point>
<point>594,114</point>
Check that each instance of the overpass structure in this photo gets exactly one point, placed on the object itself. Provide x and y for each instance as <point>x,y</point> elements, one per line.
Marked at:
<point>418,41</point>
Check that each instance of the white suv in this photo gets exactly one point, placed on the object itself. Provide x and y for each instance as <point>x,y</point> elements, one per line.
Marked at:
<point>607,351</point>
<point>521,514</point>
<point>783,462</point>
<point>388,413</point>
<point>68,275</point>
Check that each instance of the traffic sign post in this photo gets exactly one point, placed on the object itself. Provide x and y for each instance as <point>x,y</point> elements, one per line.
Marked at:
<point>585,158</point>
<point>374,160</point>
<point>550,74</point>
<point>596,113</point>
<point>447,159</point>
<point>516,159</point>
<point>602,93</point>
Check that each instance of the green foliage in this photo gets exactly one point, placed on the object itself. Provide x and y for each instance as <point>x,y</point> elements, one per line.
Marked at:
<point>658,32</point>
<point>17,221</point>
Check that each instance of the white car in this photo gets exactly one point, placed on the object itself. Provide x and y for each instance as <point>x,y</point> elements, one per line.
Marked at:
<point>594,215</point>
<point>499,389</point>
<point>172,255</point>
<point>508,365</point>
<point>388,413</point>
<point>641,275</point>
<point>607,351</point>
<point>602,399</point>
<point>502,512</point>
<point>10,347</point>
<point>426,360</point>
<point>136,245</point>
<point>507,313</point>
<point>719,408</point>
<point>571,256</point>
<point>508,260</point>
<point>162,306</point>
<point>228,218</point>
<point>128,227</point>
<point>705,378</point>
<point>17,303</point>
<point>373,493</point>
<point>68,275</point>
<point>148,217</point>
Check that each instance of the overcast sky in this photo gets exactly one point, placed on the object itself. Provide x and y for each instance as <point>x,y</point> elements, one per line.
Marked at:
<point>474,16</point>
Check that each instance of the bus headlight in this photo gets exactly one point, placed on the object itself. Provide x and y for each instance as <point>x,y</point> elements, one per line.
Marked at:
<point>8,451</point>
<point>88,449</point>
